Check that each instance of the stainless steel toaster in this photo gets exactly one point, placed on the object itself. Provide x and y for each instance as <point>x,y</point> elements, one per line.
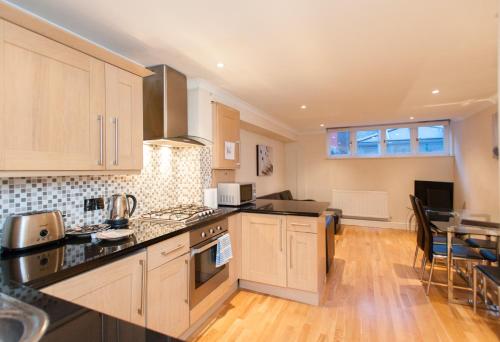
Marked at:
<point>31,229</point>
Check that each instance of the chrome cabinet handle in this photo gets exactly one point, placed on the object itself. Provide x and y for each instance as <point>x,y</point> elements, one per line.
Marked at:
<point>281,236</point>
<point>291,262</point>
<point>101,140</point>
<point>187,276</point>
<point>115,121</point>
<point>239,152</point>
<point>300,224</point>
<point>165,253</point>
<point>140,311</point>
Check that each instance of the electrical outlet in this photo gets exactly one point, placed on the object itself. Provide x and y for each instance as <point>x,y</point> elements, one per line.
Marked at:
<point>91,204</point>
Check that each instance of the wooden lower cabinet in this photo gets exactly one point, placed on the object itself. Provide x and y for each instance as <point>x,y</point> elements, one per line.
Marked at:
<point>168,297</point>
<point>263,251</point>
<point>301,261</point>
<point>117,289</point>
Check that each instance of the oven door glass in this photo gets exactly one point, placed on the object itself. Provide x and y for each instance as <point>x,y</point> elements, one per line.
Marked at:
<point>205,266</point>
<point>246,193</point>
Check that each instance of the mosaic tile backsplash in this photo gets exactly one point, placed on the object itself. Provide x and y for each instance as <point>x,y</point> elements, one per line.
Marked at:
<point>170,176</point>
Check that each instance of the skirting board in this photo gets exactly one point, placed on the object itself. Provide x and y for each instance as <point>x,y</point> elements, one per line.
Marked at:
<point>296,295</point>
<point>374,224</point>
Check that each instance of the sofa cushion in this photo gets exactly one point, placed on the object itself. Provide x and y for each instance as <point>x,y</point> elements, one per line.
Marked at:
<point>286,195</point>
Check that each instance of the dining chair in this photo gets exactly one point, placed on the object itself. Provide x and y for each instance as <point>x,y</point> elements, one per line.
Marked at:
<point>489,274</point>
<point>433,251</point>
<point>437,239</point>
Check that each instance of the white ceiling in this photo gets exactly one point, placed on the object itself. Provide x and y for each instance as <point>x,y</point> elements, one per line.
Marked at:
<point>350,62</point>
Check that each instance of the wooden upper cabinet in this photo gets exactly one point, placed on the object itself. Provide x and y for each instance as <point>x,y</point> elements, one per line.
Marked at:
<point>263,249</point>
<point>52,101</point>
<point>123,120</point>
<point>226,126</point>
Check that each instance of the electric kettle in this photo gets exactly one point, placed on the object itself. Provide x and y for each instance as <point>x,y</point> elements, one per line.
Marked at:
<point>119,209</point>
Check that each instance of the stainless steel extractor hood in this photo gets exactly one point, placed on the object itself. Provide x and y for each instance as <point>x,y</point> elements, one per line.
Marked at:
<point>165,108</point>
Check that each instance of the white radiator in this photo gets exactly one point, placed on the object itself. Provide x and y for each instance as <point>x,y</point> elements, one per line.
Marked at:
<point>362,204</point>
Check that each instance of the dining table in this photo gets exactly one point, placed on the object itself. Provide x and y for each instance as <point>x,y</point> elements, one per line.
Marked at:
<point>464,222</point>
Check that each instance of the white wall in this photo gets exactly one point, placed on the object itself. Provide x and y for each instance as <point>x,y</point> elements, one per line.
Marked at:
<point>476,171</point>
<point>311,175</point>
<point>248,170</point>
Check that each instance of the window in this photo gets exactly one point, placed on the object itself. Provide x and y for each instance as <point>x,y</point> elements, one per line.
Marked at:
<point>431,139</point>
<point>339,143</point>
<point>398,140</point>
<point>368,142</point>
<point>402,140</point>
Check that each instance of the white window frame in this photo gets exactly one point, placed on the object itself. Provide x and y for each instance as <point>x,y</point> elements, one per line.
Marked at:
<point>413,126</point>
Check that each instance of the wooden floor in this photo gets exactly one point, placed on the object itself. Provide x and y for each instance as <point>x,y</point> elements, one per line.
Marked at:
<point>373,295</point>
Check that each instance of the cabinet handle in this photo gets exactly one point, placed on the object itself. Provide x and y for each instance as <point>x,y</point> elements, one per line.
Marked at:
<point>115,121</point>
<point>239,152</point>
<point>300,224</point>
<point>140,311</point>
<point>101,139</point>
<point>281,236</point>
<point>187,276</point>
<point>291,262</point>
<point>165,253</point>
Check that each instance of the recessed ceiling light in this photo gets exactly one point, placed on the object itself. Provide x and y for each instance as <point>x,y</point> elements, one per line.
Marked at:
<point>435,91</point>
<point>412,118</point>
<point>321,125</point>
<point>220,65</point>
<point>303,107</point>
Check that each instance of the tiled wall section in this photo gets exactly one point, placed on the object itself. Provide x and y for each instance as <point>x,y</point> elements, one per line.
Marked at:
<point>170,176</point>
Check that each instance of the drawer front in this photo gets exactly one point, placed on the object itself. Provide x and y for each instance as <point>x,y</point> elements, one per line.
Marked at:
<point>167,250</point>
<point>302,224</point>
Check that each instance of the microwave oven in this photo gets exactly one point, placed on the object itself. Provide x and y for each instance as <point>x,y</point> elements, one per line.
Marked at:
<point>235,194</point>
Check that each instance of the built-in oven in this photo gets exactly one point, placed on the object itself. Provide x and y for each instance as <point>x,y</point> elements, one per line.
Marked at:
<point>205,276</point>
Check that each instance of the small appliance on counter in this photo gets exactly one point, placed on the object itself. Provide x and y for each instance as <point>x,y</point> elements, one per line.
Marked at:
<point>119,210</point>
<point>235,194</point>
<point>31,229</point>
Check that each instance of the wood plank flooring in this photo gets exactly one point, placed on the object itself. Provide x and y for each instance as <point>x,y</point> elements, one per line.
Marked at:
<point>373,295</point>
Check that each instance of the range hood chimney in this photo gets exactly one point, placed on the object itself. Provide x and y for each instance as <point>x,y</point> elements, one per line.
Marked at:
<point>165,108</point>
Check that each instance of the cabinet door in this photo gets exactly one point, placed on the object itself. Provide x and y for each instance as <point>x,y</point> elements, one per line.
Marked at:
<point>263,249</point>
<point>302,261</point>
<point>52,104</point>
<point>123,120</point>
<point>168,297</point>
<point>226,130</point>
<point>117,289</point>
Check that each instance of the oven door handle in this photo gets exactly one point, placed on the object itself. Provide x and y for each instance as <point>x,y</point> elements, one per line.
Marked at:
<point>195,251</point>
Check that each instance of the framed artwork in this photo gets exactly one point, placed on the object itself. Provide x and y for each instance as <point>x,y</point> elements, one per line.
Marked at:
<point>264,160</point>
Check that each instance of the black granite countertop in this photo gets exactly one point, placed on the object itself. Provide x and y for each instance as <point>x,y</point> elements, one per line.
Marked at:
<point>280,207</point>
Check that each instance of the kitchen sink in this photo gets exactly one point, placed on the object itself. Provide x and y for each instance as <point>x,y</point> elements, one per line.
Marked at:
<point>20,321</point>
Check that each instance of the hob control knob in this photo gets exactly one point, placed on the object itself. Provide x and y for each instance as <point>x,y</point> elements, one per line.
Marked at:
<point>219,228</point>
<point>212,231</point>
<point>203,234</point>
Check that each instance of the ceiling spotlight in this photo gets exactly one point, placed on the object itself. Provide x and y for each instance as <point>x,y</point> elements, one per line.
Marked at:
<point>303,107</point>
<point>435,91</point>
<point>321,125</point>
<point>412,118</point>
<point>220,65</point>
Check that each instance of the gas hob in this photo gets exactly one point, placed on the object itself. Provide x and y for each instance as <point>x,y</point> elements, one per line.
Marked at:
<point>184,214</point>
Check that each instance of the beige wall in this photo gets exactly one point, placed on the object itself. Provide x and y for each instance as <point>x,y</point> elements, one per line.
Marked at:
<point>248,169</point>
<point>311,175</point>
<point>476,171</point>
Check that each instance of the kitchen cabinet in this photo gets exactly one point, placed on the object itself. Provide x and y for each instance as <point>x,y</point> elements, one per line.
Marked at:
<point>263,249</point>
<point>63,110</point>
<point>301,260</point>
<point>52,104</point>
<point>117,289</point>
<point>123,119</point>
<point>226,131</point>
<point>168,297</point>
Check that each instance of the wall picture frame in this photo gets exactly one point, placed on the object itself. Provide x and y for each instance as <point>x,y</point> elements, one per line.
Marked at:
<point>264,160</point>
